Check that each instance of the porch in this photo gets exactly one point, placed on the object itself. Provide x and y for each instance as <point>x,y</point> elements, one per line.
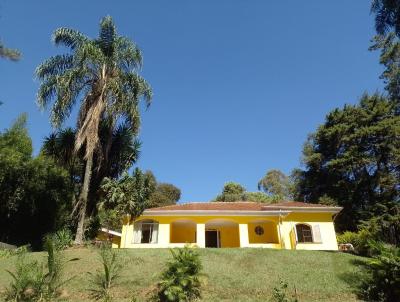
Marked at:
<point>213,233</point>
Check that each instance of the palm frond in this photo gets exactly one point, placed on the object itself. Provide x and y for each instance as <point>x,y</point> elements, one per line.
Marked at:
<point>69,37</point>
<point>8,53</point>
<point>54,66</point>
<point>107,35</point>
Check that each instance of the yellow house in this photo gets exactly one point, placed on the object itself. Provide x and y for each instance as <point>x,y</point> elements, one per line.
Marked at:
<point>287,225</point>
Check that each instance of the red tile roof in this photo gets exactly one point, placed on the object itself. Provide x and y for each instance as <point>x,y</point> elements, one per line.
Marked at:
<point>236,206</point>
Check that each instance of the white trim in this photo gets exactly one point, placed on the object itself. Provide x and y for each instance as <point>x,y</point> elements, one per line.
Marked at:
<point>212,213</point>
<point>111,232</point>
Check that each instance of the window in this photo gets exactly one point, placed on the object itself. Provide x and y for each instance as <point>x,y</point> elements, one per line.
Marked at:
<point>304,233</point>
<point>145,231</point>
<point>259,230</point>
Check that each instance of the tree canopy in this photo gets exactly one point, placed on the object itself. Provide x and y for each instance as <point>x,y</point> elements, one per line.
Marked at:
<point>354,159</point>
<point>34,190</point>
<point>275,183</point>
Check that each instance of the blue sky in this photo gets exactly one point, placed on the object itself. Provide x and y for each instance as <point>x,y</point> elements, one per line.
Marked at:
<point>238,85</point>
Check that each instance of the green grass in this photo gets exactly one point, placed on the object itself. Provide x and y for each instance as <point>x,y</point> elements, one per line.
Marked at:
<point>230,274</point>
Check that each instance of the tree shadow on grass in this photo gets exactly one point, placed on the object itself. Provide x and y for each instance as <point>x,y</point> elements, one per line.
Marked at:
<point>357,279</point>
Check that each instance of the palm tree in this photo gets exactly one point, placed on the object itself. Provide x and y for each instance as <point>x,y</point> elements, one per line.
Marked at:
<point>102,75</point>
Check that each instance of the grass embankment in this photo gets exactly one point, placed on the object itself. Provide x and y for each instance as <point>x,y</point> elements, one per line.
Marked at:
<point>231,274</point>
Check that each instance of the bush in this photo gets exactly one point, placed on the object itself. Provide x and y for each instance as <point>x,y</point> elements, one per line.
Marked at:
<point>180,281</point>
<point>364,241</point>
<point>61,239</point>
<point>383,283</point>
<point>103,280</point>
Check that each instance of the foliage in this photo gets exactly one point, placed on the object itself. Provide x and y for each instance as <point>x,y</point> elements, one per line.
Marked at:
<point>34,281</point>
<point>6,253</point>
<point>353,159</point>
<point>180,281</point>
<point>232,192</point>
<point>128,195</point>
<point>381,229</point>
<point>279,293</point>
<point>383,283</point>
<point>8,53</point>
<point>275,183</point>
<point>61,239</point>
<point>103,280</point>
<point>164,194</point>
<point>103,75</point>
<point>387,16</point>
<point>124,151</point>
<point>34,191</point>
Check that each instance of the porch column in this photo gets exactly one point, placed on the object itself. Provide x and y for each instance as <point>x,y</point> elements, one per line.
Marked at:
<point>201,235</point>
<point>163,234</point>
<point>244,235</point>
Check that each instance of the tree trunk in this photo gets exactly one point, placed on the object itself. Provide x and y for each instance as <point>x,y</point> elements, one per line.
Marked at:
<point>83,199</point>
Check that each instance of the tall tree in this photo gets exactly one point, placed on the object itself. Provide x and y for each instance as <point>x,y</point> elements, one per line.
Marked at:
<point>387,16</point>
<point>354,159</point>
<point>102,75</point>
<point>275,183</point>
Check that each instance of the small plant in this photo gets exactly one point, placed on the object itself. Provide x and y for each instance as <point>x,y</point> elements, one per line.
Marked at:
<point>180,281</point>
<point>280,293</point>
<point>103,280</point>
<point>34,281</point>
<point>62,239</point>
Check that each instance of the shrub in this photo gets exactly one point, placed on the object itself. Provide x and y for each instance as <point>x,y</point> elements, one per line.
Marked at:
<point>383,283</point>
<point>180,281</point>
<point>61,239</point>
<point>34,281</point>
<point>280,293</point>
<point>103,280</point>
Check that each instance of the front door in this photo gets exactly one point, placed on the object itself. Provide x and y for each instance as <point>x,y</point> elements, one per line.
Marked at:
<point>212,238</point>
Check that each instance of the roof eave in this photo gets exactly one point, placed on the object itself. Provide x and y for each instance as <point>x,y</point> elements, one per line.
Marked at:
<point>213,213</point>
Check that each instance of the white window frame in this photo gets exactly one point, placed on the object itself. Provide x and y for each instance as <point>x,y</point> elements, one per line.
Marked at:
<point>138,231</point>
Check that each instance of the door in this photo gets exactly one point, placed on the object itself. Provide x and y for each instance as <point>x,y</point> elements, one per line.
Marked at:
<point>212,238</point>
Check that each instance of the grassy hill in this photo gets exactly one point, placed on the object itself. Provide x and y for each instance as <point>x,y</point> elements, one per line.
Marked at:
<point>231,274</point>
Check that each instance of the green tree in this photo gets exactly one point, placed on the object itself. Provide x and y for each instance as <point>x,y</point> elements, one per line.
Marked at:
<point>127,196</point>
<point>275,183</point>
<point>33,191</point>
<point>164,194</point>
<point>101,74</point>
<point>232,191</point>
<point>353,159</point>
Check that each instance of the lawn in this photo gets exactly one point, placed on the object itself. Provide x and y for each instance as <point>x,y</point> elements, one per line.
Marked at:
<point>230,274</point>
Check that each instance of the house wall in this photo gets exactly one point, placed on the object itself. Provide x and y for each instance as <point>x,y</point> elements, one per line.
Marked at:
<point>229,235</point>
<point>183,233</point>
<point>270,232</point>
<point>242,234</point>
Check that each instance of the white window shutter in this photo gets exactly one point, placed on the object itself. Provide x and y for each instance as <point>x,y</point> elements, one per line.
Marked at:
<point>317,234</point>
<point>137,232</point>
<point>154,233</point>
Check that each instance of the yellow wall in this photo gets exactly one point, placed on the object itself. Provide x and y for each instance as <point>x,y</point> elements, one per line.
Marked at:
<point>270,232</point>
<point>242,234</point>
<point>228,235</point>
<point>183,233</point>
